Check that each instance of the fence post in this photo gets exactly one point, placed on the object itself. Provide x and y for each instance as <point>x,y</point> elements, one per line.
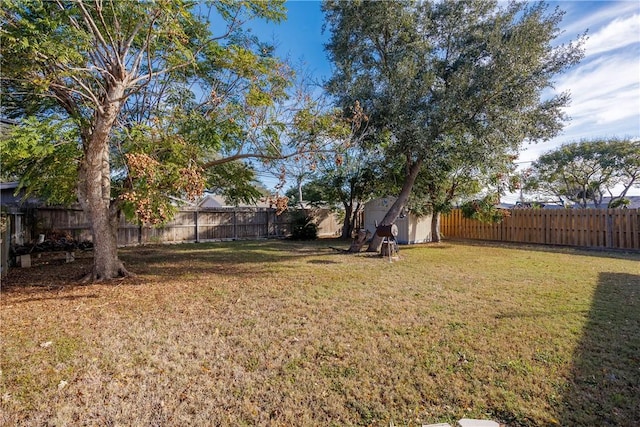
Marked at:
<point>609,229</point>
<point>275,224</point>
<point>235,224</point>
<point>5,237</point>
<point>196,225</point>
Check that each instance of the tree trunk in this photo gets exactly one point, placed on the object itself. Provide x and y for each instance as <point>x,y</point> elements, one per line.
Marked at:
<point>355,216</point>
<point>583,197</point>
<point>347,228</point>
<point>94,189</point>
<point>597,198</point>
<point>359,241</point>
<point>394,211</point>
<point>435,227</point>
<point>300,193</point>
<point>623,194</point>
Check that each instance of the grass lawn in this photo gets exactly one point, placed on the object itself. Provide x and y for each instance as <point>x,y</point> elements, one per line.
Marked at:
<point>282,333</point>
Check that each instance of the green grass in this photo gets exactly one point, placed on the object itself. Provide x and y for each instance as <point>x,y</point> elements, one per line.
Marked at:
<point>282,333</point>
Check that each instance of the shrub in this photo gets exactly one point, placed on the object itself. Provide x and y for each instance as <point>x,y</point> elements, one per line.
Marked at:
<point>619,203</point>
<point>304,228</point>
<point>484,210</point>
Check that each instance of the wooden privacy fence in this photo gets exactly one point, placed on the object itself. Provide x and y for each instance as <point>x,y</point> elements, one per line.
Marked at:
<point>5,239</point>
<point>188,225</point>
<point>592,228</point>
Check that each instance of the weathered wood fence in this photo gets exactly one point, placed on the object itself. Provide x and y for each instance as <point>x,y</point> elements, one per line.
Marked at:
<point>5,239</point>
<point>592,228</point>
<point>188,225</point>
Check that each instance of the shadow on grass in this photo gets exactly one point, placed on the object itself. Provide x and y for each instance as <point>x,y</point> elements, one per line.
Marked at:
<point>430,245</point>
<point>536,314</point>
<point>57,298</point>
<point>579,251</point>
<point>239,258</point>
<point>604,389</point>
<point>236,258</point>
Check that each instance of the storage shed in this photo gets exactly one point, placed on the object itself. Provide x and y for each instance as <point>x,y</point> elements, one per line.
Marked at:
<point>411,228</point>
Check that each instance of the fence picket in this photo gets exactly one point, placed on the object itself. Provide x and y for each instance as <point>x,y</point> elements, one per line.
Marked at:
<point>188,225</point>
<point>596,228</point>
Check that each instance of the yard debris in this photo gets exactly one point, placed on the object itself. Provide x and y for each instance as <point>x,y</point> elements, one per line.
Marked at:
<point>56,244</point>
<point>46,344</point>
<point>62,384</point>
<point>54,241</point>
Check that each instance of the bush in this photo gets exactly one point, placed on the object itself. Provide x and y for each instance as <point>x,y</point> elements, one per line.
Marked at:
<point>484,210</point>
<point>304,228</point>
<point>619,203</point>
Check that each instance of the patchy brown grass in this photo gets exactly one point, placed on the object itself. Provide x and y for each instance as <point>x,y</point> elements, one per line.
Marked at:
<point>281,333</point>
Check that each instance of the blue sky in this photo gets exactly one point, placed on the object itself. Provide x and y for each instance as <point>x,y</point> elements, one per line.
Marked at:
<point>604,87</point>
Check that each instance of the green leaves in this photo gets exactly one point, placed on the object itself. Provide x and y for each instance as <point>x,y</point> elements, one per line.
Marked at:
<point>587,170</point>
<point>273,10</point>
<point>174,92</point>
<point>484,210</point>
<point>235,181</point>
<point>456,87</point>
<point>44,156</point>
<point>157,168</point>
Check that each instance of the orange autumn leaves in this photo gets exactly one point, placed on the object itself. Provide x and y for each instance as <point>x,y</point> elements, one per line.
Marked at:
<point>149,180</point>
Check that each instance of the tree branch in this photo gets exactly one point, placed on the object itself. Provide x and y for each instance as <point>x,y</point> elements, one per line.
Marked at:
<point>60,87</point>
<point>261,156</point>
<point>88,19</point>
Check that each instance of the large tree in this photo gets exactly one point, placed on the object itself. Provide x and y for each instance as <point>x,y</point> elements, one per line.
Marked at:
<point>586,171</point>
<point>128,103</point>
<point>467,71</point>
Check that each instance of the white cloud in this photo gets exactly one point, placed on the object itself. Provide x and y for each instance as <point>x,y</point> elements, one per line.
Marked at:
<point>604,90</point>
<point>605,100</point>
<point>618,33</point>
<point>576,22</point>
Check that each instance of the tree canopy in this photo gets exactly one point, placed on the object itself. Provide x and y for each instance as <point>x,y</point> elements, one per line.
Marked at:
<point>439,78</point>
<point>346,182</point>
<point>124,104</point>
<point>345,173</point>
<point>586,171</point>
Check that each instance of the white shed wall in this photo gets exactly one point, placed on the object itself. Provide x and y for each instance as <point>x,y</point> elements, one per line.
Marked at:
<point>411,229</point>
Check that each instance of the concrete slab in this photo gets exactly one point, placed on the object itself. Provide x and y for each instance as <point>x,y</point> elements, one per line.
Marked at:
<point>468,422</point>
<point>25,261</point>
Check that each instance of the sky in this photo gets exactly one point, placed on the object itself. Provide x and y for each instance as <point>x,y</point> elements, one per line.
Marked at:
<point>604,86</point>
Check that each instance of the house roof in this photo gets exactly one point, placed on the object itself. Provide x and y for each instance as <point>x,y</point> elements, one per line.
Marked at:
<point>210,200</point>
<point>634,202</point>
<point>12,185</point>
<point>9,198</point>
